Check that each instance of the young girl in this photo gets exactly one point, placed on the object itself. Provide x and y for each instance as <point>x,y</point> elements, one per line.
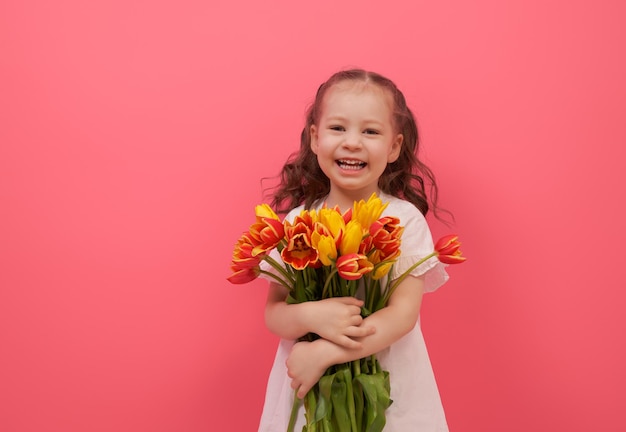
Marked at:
<point>359,138</point>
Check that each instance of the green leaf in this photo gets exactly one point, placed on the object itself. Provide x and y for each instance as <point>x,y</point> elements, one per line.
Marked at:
<point>359,401</point>
<point>377,399</point>
<point>324,405</point>
<point>339,396</point>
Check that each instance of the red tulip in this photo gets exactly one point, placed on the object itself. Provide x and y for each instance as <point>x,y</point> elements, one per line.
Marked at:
<point>243,255</point>
<point>243,275</point>
<point>353,266</point>
<point>385,234</point>
<point>266,234</point>
<point>448,251</point>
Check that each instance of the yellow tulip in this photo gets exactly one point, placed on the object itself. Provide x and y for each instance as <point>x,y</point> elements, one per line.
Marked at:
<point>366,212</point>
<point>351,239</point>
<point>382,269</point>
<point>333,221</point>
<point>264,211</point>
<point>325,246</point>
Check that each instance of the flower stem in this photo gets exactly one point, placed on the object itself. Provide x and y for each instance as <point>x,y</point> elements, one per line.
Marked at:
<point>294,412</point>
<point>329,279</point>
<point>278,278</point>
<point>279,268</point>
<point>350,397</point>
<point>391,287</point>
<point>310,409</point>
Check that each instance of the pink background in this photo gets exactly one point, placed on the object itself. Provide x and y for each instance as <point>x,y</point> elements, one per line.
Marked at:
<point>133,137</point>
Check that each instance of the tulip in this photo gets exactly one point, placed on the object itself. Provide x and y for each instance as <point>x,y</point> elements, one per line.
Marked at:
<point>307,217</point>
<point>243,275</point>
<point>347,216</point>
<point>243,257</point>
<point>367,212</point>
<point>299,252</point>
<point>264,211</point>
<point>386,233</point>
<point>325,245</point>
<point>243,254</point>
<point>351,239</point>
<point>448,249</point>
<point>266,234</point>
<point>353,266</point>
<point>333,221</point>
<point>382,269</point>
<point>367,247</point>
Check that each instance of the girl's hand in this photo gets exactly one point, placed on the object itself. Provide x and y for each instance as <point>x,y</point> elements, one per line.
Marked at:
<point>306,364</point>
<point>339,320</point>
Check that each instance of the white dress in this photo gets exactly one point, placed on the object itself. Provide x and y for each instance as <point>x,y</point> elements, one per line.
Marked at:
<point>416,403</point>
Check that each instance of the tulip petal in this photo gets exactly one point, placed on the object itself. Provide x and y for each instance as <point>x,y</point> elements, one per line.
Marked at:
<point>244,275</point>
<point>353,266</point>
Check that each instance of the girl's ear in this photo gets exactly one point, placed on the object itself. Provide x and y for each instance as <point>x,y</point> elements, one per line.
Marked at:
<point>396,146</point>
<point>313,132</point>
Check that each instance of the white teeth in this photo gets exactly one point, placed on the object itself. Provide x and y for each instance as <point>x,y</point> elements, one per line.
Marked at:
<point>351,164</point>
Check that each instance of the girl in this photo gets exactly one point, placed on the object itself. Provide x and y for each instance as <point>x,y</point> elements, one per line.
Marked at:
<point>359,138</point>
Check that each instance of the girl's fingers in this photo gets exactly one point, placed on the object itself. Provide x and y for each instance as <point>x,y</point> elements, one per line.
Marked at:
<point>349,343</point>
<point>356,320</point>
<point>358,331</point>
<point>349,300</point>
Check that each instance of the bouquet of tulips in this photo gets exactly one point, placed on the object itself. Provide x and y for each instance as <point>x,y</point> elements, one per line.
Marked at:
<point>326,253</point>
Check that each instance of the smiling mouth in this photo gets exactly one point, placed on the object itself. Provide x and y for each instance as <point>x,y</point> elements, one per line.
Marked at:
<point>351,164</point>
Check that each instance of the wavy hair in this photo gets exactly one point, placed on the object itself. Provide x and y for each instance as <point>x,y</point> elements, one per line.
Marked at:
<point>302,181</point>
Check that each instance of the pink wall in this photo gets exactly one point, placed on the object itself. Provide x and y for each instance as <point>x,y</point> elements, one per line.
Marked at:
<point>133,135</point>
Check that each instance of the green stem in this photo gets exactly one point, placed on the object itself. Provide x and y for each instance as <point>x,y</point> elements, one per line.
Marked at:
<point>278,278</point>
<point>350,396</point>
<point>374,368</point>
<point>279,268</point>
<point>329,279</point>
<point>391,287</point>
<point>371,294</point>
<point>294,412</point>
<point>310,409</point>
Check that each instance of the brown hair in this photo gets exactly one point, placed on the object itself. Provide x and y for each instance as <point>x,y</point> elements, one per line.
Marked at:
<point>303,182</point>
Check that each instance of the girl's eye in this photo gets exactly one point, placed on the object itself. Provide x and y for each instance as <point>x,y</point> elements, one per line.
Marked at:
<point>336,128</point>
<point>371,132</point>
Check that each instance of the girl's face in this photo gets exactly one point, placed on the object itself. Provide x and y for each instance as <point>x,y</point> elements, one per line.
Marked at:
<point>354,140</point>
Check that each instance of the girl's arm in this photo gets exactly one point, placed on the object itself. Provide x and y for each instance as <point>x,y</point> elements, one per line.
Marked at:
<point>308,360</point>
<point>336,319</point>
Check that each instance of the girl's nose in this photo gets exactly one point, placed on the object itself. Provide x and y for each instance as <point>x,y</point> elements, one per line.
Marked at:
<point>352,141</point>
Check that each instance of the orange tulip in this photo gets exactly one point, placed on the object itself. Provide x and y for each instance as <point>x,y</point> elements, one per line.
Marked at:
<point>243,255</point>
<point>353,266</point>
<point>386,233</point>
<point>266,234</point>
<point>448,251</point>
<point>299,252</point>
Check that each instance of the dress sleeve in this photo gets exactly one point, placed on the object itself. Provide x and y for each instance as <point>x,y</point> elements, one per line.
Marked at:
<point>417,243</point>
